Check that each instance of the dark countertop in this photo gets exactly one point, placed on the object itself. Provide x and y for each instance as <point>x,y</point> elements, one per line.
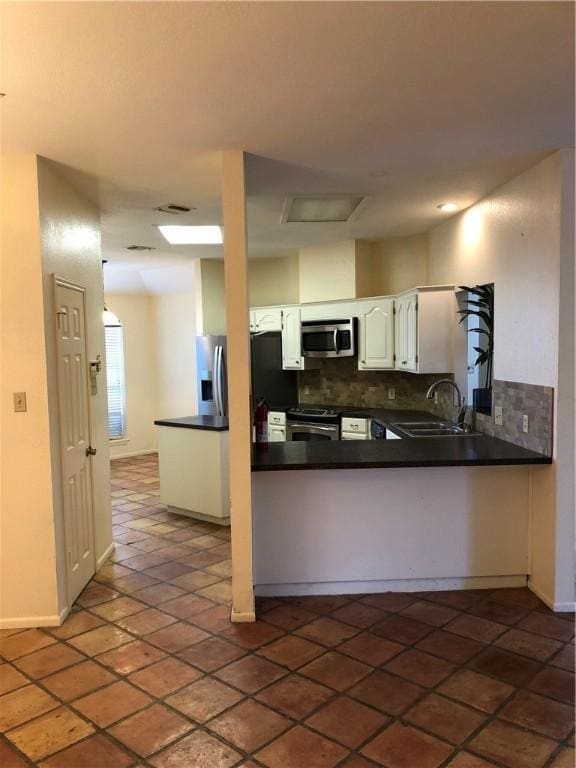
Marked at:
<point>212,423</point>
<point>409,452</point>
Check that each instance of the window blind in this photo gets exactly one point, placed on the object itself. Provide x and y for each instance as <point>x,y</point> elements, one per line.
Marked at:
<point>115,381</point>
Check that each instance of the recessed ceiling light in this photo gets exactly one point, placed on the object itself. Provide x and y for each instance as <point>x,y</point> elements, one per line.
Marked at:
<point>182,235</point>
<point>312,209</point>
<point>447,207</point>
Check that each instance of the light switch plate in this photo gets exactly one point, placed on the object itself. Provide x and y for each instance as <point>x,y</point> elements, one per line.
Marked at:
<point>391,393</point>
<point>498,415</point>
<point>525,423</point>
<point>20,402</point>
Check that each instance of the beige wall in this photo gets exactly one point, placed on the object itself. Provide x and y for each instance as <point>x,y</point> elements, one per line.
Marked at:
<point>328,272</point>
<point>210,301</point>
<point>137,314</point>
<point>273,281</point>
<point>387,267</point>
<point>175,323</point>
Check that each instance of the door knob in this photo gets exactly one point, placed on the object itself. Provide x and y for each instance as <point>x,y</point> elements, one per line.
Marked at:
<point>90,451</point>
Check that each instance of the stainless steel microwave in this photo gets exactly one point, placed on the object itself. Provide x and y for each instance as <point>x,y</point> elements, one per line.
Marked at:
<point>329,338</point>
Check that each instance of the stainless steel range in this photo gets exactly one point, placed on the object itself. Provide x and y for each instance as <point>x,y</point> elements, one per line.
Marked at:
<point>312,424</point>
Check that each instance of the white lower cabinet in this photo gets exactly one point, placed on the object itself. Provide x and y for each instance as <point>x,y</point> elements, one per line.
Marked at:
<point>276,427</point>
<point>376,335</point>
<point>355,429</point>
<point>353,436</point>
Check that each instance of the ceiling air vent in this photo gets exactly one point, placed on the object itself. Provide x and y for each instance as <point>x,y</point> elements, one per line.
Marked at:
<point>321,208</point>
<point>140,248</point>
<point>174,209</point>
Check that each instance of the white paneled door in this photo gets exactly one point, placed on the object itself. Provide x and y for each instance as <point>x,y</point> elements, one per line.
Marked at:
<point>75,449</point>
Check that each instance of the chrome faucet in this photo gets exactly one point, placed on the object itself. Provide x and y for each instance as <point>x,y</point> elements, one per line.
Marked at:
<point>461,400</point>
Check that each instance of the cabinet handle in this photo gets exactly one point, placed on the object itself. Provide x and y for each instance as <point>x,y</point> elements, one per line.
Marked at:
<point>404,362</point>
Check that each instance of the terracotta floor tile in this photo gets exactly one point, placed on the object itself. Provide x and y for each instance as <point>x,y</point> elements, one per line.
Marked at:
<point>528,644</point>
<point>146,622</point>
<point>24,704</point>
<point>511,746</point>
<point>421,668</point>
<point>131,657</point>
<point>401,629</point>
<point>477,690</point>
<point>327,631</point>
<point>336,670</point>
<point>556,683</point>
<point>148,731</point>
<point>164,677</point>
<point>319,604</point>
<point>176,637</point>
<point>401,746</point>
<point>10,679</point>
<point>565,759</point>
<point>100,640</point>
<point>466,760</point>
<point>549,626</point>
<point>357,761</point>
<point>359,615</point>
<point>118,608</point>
<point>476,628</point>
<point>111,572</point>
<point>449,646</point>
<point>251,673</point>
<point>202,559</point>
<point>509,667</point>
<point>444,718</point>
<point>219,593</point>
<point>159,593</point>
<point>502,614</point>
<point>76,624</point>
<point>30,640</point>
<point>517,596</point>
<point>199,750</point>
<point>95,593</point>
<point>300,747</point>
<point>194,580</point>
<point>112,703</point>
<point>168,570</point>
<point>550,718</point>
<point>251,636</point>
<point>77,681</point>
<point>50,733</point>
<point>295,696</point>
<point>389,601</point>
<point>223,569</point>
<point>386,692</point>
<point>291,651</point>
<point>211,654</point>
<point>204,699</point>
<point>135,582</point>
<point>48,660</point>
<point>213,619</point>
<point>370,648</point>
<point>186,606</point>
<point>429,613</point>
<point>564,658</point>
<point>347,721</point>
<point>9,757</point>
<point>206,542</point>
<point>288,616</point>
<point>461,600</point>
<point>249,725</point>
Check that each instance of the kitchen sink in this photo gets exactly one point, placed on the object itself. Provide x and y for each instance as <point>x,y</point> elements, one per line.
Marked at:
<point>433,429</point>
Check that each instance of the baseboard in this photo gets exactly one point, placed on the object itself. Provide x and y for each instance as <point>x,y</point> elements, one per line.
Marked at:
<point>389,585</point>
<point>224,521</point>
<point>557,607</point>
<point>131,454</point>
<point>244,617</point>
<point>102,559</point>
<point>25,622</point>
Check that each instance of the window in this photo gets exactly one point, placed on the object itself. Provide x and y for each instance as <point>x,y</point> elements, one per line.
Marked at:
<point>114,340</point>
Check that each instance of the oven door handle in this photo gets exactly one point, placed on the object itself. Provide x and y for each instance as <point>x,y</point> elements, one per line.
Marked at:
<point>303,426</point>
<point>336,341</point>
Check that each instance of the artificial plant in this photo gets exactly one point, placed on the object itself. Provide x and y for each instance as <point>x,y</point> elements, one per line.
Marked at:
<point>482,307</point>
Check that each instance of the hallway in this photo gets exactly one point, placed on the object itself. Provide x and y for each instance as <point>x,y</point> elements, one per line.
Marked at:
<point>148,671</point>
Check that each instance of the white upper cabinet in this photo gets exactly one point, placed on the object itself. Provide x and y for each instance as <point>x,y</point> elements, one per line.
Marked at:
<point>423,330</point>
<point>291,342</point>
<point>266,319</point>
<point>376,334</point>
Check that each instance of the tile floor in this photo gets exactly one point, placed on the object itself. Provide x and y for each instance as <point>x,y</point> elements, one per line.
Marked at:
<point>148,671</point>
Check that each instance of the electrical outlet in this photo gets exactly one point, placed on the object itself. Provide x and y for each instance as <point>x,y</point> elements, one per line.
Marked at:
<point>498,415</point>
<point>391,393</point>
<point>20,402</point>
<point>525,423</point>
<point>372,389</point>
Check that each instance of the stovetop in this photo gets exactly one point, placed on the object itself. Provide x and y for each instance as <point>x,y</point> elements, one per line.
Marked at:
<point>314,415</point>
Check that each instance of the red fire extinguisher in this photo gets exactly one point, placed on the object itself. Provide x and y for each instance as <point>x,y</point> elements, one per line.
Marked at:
<point>261,421</point>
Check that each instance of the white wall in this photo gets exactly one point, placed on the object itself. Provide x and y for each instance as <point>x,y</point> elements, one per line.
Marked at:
<point>137,314</point>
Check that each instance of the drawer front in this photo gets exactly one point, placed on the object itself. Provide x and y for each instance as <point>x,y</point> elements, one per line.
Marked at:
<point>275,417</point>
<point>359,426</point>
<point>354,436</point>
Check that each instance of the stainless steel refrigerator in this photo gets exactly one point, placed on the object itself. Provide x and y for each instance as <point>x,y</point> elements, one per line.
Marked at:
<point>211,375</point>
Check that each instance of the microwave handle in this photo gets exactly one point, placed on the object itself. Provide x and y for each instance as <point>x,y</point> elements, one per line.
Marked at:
<point>336,340</point>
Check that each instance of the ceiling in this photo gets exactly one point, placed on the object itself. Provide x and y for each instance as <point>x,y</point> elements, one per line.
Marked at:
<point>410,103</point>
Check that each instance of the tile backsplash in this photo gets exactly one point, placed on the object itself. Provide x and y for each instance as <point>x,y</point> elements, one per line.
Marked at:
<point>339,382</point>
<point>517,400</point>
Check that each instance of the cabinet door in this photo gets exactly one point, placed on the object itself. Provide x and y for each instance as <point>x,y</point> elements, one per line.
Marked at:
<point>376,335</point>
<point>268,319</point>
<point>252,320</point>
<point>291,342</point>
<point>406,332</point>
<point>400,333</point>
<point>276,434</point>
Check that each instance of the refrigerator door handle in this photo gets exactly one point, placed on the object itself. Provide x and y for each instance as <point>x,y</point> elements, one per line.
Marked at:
<point>218,379</point>
<point>215,381</point>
